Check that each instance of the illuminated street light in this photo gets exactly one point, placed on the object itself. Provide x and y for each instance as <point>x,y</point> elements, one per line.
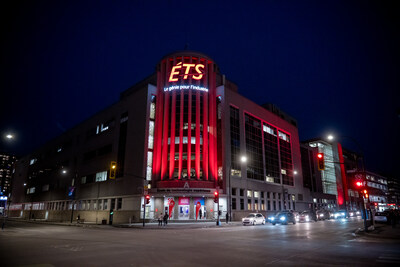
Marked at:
<point>330,137</point>
<point>295,172</point>
<point>243,158</point>
<point>9,136</point>
<point>64,171</point>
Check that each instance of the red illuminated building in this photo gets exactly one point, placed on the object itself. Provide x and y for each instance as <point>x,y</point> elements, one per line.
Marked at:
<point>178,136</point>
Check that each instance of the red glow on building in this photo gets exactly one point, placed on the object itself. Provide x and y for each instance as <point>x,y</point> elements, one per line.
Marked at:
<point>185,136</point>
<point>343,173</point>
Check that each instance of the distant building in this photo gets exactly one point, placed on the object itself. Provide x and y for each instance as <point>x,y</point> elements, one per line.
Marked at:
<point>323,185</point>
<point>178,136</point>
<point>393,192</point>
<point>6,167</point>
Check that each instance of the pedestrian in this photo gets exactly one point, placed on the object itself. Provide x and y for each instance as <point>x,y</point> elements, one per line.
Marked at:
<point>160,219</point>
<point>227,217</point>
<point>200,213</point>
<point>78,219</point>
<point>166,219</point>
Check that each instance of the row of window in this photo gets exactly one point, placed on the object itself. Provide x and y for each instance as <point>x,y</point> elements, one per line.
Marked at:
<point>95,204</point>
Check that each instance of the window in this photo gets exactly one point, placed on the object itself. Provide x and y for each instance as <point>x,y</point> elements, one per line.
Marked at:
<point>249,204</point>
<point>119,204</point>
<point>83,180</point>
<point>286,159</point>
<point>234,203</point>
<point>241,191</point>
<point>271,153</point>
<point>256,194</point>
<point>235,139</point>
<point>45,188</point>
<point>149,165</point>
<point>249,193</point>
<point>233,191</point>
<point>101,176</point>
<point>105,206</point>
<point>242,204</point>
<point>255,168</point>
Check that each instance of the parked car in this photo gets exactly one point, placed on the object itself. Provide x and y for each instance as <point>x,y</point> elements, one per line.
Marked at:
<point>323,215</point>
<point>283,217</point>
<point>253,219</point>
<point>381,217</point>
<point>307,216</point>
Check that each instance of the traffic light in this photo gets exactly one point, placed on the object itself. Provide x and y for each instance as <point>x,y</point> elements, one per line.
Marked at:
<point>147,199</point>
<point>216,196</point>
<point>111,212</point>
<point>365,192</point>
<point>359,184</point>
<point>113,169</point>
<point>321,161</point>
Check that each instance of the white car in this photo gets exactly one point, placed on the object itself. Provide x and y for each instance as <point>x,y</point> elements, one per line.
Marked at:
<point>253,219</point>
<point>380,217</point>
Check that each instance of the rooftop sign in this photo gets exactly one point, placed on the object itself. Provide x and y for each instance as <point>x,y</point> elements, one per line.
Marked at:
<point>183,71</point>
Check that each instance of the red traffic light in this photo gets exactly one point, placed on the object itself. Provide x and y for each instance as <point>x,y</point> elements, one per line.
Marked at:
<point>359,184</point>
<point>147,199</point>
<point>321,161</point>
<point>216,198</point>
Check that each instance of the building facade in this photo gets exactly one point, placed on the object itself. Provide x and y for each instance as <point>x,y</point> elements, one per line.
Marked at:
<point>6,166</point>
<point>177,136</point>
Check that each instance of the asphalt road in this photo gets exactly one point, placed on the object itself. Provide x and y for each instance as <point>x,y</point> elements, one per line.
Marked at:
<point>304,244</point>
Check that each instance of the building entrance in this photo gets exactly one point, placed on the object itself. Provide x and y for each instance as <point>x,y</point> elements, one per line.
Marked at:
<point>183,212</point>
<point>184,204</point>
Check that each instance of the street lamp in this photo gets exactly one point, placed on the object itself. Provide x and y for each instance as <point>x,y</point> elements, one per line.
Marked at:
<point>243,159</point>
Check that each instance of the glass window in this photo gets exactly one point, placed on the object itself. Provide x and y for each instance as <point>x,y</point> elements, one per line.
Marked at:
<point>101,176</point>
<point>249,193</point>
<point>255,168</point>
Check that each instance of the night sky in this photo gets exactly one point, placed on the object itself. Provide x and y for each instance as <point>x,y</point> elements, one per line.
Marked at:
<point>332,65</point>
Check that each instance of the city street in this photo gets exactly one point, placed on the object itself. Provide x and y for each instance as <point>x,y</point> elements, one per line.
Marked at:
<point>304,244</point>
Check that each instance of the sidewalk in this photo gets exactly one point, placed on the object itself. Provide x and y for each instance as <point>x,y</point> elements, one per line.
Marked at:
<point>382,231</point>
<point>148,225</point>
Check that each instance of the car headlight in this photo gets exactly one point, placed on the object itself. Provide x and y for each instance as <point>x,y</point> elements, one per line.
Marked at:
<point>321,215</point>
<point>351,213</point>
<point>342,213</point>
<point>336,215</point>
<point>283,218</point>
<point>272,218</point>
<point>357,212</point>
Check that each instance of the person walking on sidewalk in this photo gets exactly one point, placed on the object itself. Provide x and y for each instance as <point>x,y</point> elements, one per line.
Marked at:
<point>166,219</point>
<point>227,217</point>
<point>160,219</point>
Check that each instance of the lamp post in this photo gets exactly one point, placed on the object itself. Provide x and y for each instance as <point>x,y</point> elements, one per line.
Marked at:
<point>363,173</point>
<point>243,159</point>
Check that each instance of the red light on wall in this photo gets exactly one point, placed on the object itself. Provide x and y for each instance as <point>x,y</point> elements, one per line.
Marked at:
<point>359,184</point>
<point>319,155</point>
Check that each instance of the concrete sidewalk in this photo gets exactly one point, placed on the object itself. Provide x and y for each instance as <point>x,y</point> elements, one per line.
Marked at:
<point>148,225</point>
<point>382,231</point>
